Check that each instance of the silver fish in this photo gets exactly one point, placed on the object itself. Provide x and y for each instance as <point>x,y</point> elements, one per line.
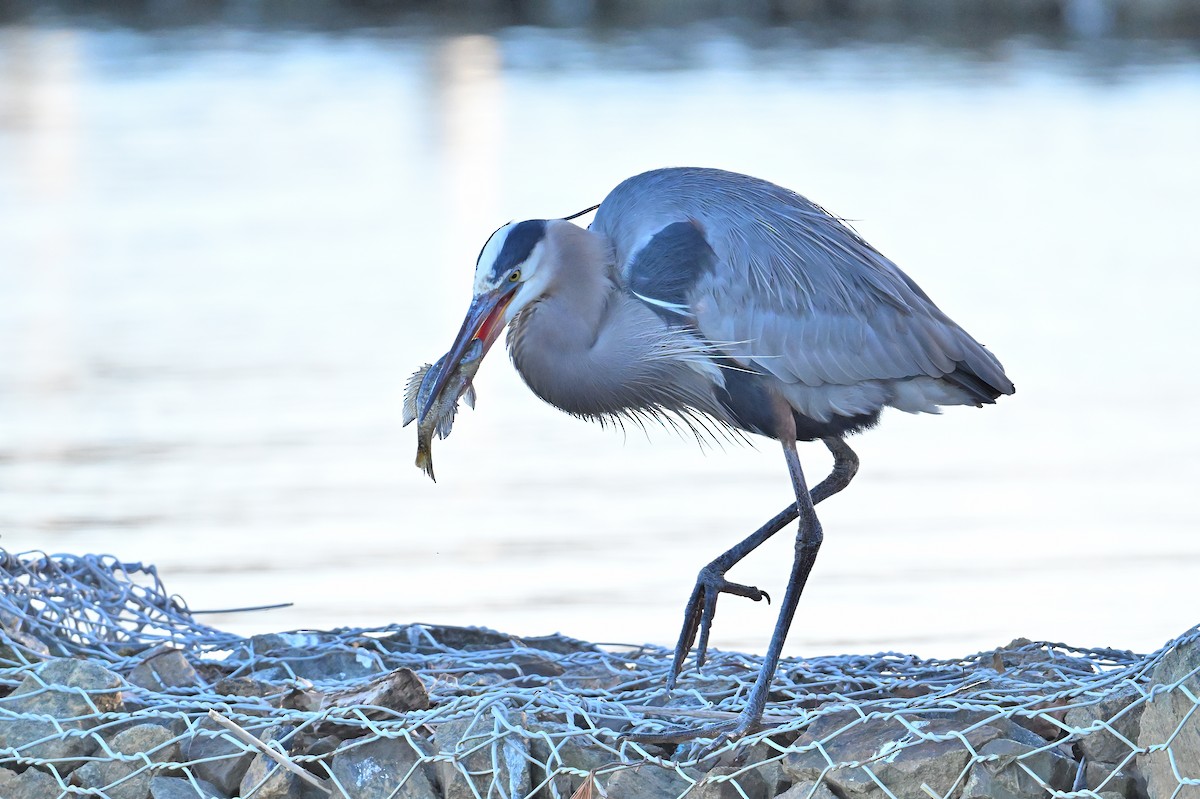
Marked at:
<point>440,418</point>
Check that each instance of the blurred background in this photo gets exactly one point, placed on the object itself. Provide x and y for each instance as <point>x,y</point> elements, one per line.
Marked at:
<point>230,230</point>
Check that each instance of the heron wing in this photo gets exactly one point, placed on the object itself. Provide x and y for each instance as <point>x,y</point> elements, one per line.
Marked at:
<point>782,285</point>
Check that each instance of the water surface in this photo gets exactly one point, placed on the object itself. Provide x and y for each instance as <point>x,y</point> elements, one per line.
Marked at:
<point>223,250</point>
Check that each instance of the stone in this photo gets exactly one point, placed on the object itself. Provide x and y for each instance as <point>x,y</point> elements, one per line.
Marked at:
<point>463,639</point>
<point>70,691</point>
<point>764,760</point>
<point>266,779</point>
<point>807,790</point>
<point>385,768</point>
<point>400,690</point>
<point>532,665</point>
<point>896,756</point>
<point>729,782</point>
<point>1102,777</point>
<point>559,644</point>
<point>168,669</point>
<point>1163,714</point>
<point>1004,777</point>
<point>214,755</point>
<point>474,749</point>
<point>101,685</point>
<point>1047,722</point>
<point>20,649</point>
<point>180,788</point>
<point>646,781</point>
<point>129,779</point>
<point>564,750</point>
<point>1117,711</point>
<point>248,687</point>
<point>29,784</point>
<point>317,657</point>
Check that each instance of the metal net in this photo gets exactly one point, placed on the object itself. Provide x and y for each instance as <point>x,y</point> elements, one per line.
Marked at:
<point>109,687</point>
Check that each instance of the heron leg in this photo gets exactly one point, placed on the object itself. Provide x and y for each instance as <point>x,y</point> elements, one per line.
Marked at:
<point>808,543</point>
<point>711,582</point>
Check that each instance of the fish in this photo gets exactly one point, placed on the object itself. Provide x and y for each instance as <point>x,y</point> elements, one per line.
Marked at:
<point>440,418</point>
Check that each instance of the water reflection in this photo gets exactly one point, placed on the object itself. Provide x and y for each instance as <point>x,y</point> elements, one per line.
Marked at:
<point>224,248</point>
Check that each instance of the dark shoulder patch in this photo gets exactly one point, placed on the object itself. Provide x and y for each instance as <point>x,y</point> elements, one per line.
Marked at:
<point>666,269</point>
<point>520,242</point>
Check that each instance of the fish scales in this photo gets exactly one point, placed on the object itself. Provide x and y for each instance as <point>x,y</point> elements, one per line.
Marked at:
<point>442,410</point>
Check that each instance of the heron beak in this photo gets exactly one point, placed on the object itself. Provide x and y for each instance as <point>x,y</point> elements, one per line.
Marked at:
<point>485,320</point>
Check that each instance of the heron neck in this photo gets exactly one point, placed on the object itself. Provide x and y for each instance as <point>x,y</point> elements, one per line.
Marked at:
<point>562,344</point>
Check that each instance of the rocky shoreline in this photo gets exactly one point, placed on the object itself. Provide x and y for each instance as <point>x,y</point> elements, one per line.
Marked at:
<point>328,714</point>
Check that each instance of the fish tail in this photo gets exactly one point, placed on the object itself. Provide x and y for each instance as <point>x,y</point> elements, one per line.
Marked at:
<point>425,462</point>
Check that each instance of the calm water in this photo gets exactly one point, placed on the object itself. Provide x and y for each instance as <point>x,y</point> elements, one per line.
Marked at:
<point>222,252</point>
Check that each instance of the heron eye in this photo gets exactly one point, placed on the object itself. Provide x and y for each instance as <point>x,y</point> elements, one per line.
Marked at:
<point>515,276</point>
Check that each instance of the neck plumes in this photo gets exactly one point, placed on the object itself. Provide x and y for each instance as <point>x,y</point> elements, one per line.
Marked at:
<point>590,348</point>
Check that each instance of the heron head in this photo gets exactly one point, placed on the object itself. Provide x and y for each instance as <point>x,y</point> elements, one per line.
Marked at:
<point>511,273</point>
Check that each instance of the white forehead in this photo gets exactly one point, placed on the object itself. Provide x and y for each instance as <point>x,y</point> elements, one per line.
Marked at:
<point>509,247</point>
<point>490,252</point>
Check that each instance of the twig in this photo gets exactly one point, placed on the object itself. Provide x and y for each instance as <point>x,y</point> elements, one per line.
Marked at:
<point>280,758</point>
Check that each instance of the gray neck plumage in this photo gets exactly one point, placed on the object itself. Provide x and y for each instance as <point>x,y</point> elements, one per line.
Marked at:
<point>590,348</point>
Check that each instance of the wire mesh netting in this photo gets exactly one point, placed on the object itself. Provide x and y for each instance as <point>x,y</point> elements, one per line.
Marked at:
<point>111,688</point>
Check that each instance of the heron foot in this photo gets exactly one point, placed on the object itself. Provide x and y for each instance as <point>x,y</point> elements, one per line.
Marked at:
<point>720,734</point>
<point>699,613</point>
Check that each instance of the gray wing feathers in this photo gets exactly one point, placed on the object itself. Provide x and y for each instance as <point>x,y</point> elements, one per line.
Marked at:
<point>794,292</point>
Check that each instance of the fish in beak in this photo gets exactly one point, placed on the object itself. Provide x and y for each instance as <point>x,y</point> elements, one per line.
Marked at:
<point>484,321</point>
<point>433,392</point>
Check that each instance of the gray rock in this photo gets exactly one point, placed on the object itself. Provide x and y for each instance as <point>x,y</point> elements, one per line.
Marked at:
<point>102,686</point>
<point>563,752</point>
<point>180,788</point>
<point>266,779</point>
<point>29,784</point>
<point>70,691</point>
<point>647,781</point>
<point>214,755</point>
<point>1006,777</point>
<point>129,779</point>
<point>385,768</point>
<point>249,687</point>
<point>559,644</point>
<point>898,757</point>
<point>168,669</point>
<point>1115,712</point>
<point>400,690</point>
<point>1104,778</point>
<point>807,790</point>
<point>432,638</point>
<point>310,656</point>
<point>20,649</point>
<point>333,666</point>
<point>1162,715</point>
<point>474,750</point>
<point>711,786</point>
<point>765,761</point>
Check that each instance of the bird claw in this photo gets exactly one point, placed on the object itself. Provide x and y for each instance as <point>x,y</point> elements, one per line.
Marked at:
<point>721,735</point>
<point>699,613</point>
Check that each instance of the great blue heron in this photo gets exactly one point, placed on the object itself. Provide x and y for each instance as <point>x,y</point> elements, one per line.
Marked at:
<point>710,298</point>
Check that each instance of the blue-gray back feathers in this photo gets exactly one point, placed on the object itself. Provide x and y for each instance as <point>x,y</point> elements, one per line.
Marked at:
<point>790,292</point>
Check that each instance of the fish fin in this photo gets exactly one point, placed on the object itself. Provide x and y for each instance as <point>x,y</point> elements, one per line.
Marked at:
<point>446,422</point>
<point>411,390</point>
<point>469,395</point>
